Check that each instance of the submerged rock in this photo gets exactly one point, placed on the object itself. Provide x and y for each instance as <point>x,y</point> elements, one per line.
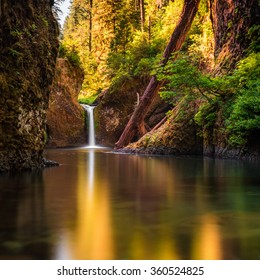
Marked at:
<point>49,163</point>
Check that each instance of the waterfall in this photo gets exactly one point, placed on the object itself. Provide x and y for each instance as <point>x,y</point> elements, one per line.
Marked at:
<point>91,127</point>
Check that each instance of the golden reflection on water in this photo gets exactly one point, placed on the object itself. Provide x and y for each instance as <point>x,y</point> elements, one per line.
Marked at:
<point>129,207</point>
<point>92,237</point>
<point>207,240</point>
<point>108,206</point>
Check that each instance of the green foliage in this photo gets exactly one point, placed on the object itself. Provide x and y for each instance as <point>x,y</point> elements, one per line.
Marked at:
<point>14,53</point>
<point>183,78</point>
<point>237,96</point>
<point>254,36</point>
<point>44,20</point>
<point>138,61</point>
<point>16,33</point>
<point>108,35</point>
<point>71,55</point>
<point>199,44</point>
<point>115,47</point>
<point>245,116</point>
<point>87,99</point>
<point>144,67</point>
<point>207,114</point>
<point>248,71</point>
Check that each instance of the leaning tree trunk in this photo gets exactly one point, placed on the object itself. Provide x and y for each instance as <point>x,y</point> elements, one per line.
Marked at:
<point>136,122</point>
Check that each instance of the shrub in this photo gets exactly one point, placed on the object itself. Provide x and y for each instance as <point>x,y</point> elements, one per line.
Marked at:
<point>245,115</point>
<point>71,55</point>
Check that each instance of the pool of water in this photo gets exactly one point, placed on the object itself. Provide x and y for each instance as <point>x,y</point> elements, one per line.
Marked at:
<point>102,205</point>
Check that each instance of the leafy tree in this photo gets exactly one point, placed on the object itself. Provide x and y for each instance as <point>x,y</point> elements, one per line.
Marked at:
<point>136,122</point>
<point>245,116</point>
<point>237,95</point>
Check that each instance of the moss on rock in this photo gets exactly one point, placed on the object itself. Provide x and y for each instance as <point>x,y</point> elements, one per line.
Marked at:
<point>178,135</point>
<point>28,50</point>
<point>65,116</point>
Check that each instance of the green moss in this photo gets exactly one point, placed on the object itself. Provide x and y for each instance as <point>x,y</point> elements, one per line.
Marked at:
<point>26,74</point>
<point>16,33</point>
<point>14,53</point>
<point>229,24</point>
<point>44,20</point>
<point>72,55</point>
<point>207,114</point>
<point>87,99</point>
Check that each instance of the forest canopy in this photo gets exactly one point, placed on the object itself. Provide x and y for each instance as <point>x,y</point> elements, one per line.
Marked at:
<point>118,42</point>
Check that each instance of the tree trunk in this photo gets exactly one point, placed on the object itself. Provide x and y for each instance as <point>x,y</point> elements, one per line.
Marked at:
<point>142,14</point>
<point>90,25</point>
<point>231,22</point>
<point>149,29</point>
<point>135,124</point>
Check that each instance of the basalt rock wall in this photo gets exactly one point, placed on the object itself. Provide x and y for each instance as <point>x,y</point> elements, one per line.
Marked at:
<point>178,135</point>
<point>65,116</point>
<point>116,106</point>
<point>28,50</point>
<point>233,22</point>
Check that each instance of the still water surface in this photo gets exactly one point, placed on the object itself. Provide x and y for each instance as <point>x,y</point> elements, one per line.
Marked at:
<point>101,205</point>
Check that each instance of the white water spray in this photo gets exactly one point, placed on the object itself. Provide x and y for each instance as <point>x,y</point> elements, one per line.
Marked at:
<point>91,127</point>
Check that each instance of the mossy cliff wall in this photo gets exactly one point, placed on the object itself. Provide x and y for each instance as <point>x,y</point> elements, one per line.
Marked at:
<point>115,107</point>
<point>65,116</point>
<point>231,21</point>
<point>28,49</point>
<point>178,135</point>
<point>235,24</point>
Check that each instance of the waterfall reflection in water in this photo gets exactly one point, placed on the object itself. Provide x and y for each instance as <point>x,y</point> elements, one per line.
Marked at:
<point>100,205</point>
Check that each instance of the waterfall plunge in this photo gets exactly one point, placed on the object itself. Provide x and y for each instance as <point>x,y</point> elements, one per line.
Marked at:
<point>91,127</point>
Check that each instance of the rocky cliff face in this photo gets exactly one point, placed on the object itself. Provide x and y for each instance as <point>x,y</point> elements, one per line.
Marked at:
<point>115,108</point>
<point>234,23</point>
<point>28,49</point>
<point>178,135</point>
<point>231,22</point>
<point>65,117</point>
